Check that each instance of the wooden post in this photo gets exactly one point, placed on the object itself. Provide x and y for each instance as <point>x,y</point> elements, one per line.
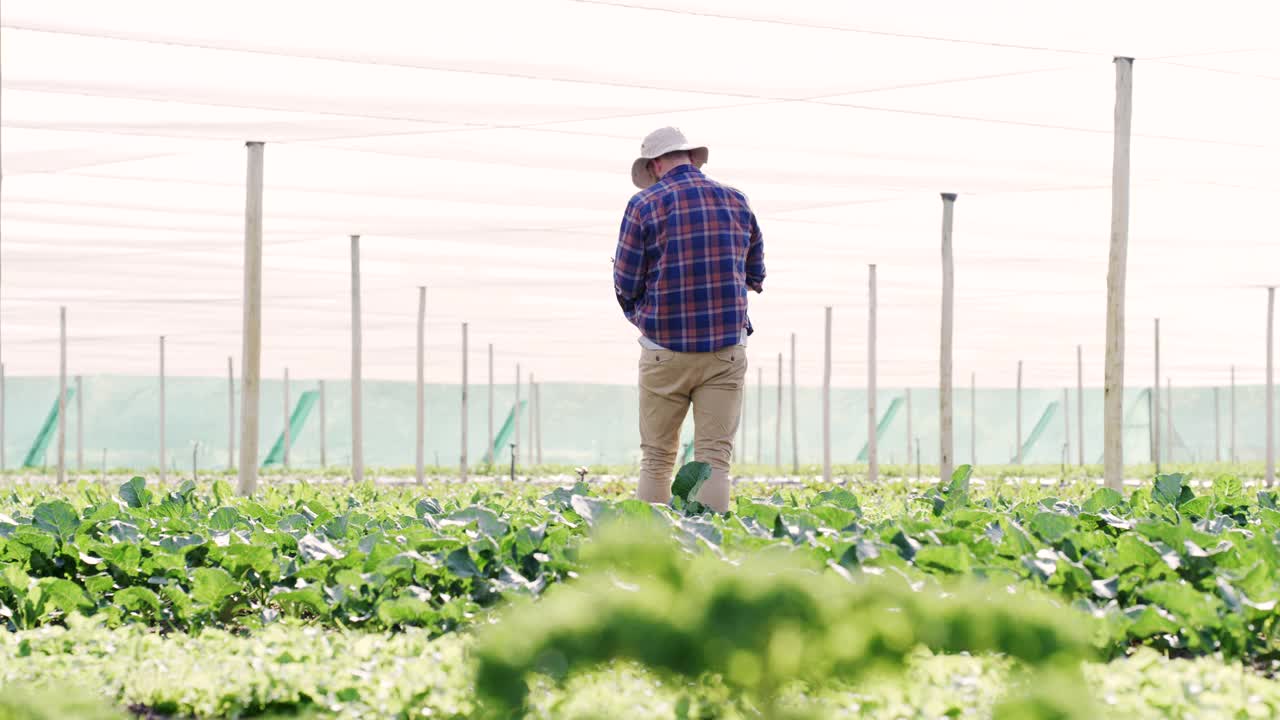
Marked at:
<point>760,416</point>
<point>62,396</point>
<point>1217,426</point>
<point>324,460</point>
<point>420,434</point>
<point>515,435</point>
<point>795,432</point>
<point>1113,427</point>
<point>463,456</point>
<point>973,419</point>
<point>490,459</point>
<point>163,462</point>
<point>1271,387</point>
<point>357,369</point>
<point>288,439</point>
<point>873,458</point>
<point>1017,444</point>
<point>1080,404</point>
<point>79,425</point>
<point>251,344</point>
<point>1157,448</point>
<point>826,400</point>
<point>777,427</point>
<point>231,415</point>
<point>946,460</point>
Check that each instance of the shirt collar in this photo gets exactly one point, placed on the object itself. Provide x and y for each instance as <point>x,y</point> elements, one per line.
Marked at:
<point>686,169</point>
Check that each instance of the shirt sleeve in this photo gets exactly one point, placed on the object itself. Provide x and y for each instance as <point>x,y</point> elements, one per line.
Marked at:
<point>629,268</point>
<point>755,257</point>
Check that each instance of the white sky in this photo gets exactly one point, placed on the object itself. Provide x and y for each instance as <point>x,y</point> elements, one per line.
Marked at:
<point>481,148</point>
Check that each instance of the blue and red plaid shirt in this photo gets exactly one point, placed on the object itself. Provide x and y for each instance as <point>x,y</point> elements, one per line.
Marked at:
<point>688,251</point>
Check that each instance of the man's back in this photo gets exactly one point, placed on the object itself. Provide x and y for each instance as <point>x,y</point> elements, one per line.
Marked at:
<point>688,251</point>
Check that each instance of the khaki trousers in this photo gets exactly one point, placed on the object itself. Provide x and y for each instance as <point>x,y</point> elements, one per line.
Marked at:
<point>669,382</point>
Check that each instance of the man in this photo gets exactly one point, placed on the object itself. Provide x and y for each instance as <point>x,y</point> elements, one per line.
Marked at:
<point>688,252</point>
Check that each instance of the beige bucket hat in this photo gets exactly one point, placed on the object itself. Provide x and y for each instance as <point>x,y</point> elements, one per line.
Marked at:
<point>659,143</point>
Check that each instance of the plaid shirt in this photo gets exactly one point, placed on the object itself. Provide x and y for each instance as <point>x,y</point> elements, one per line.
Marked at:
<point>688,251</point>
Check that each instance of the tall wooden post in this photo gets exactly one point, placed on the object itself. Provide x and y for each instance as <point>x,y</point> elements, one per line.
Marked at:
<point>1080,405</point>
<point>251,329</point>
<point>163,454</point>
<point>231,415</point>
<point>795,432</point>
<point>947,456</point>
<point>324,460</point>
<point>357,368</point>
<point>79,425</point>
<point>873,457</point>
<point>420,434</point>
<point>777,427</point>
<point>288,437</point>
<point>490,458</point>
<point>465,388</point>
<point>1017,444</point>
<point>62,396</point>
<point>1157,448</point>
<point>1271,387</point>
<point>1113,428</point>
<point>826,399</point>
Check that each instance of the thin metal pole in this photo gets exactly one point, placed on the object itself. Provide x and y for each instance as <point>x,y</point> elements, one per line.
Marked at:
<point>1017,445</point>
<point>231,415</point>
<point>873,457</point>
<point>79,425</point>
<point>973,419</point>
<point>537,420</point>
<point>1080,404</point>
<point>463,455</point>
<point>1066,425</point>
<point>946,459</point>
<point>3,400</point>
<point>324,460</point>
<point>826,399</point>
<point>357,368</point>
<point>1157,448</point>
<point>1234,456</point>
<point>62,396</point>
<point>1113,428</point>
<point>1271,387</point>
<point>419,437</point>
<point>251,347</point>
<point>760,416</point>
<point>515,435</point>
<point>795,432</point>
<point>288,439</point>
<point>1217,426</point>
<point>777,427</point>
<point>491,459</point>
<point>906,393</point>
<point>163,462</point>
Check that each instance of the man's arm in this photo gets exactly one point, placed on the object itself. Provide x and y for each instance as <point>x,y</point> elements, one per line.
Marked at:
<point>629,267</point>
<point>755,257</point>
